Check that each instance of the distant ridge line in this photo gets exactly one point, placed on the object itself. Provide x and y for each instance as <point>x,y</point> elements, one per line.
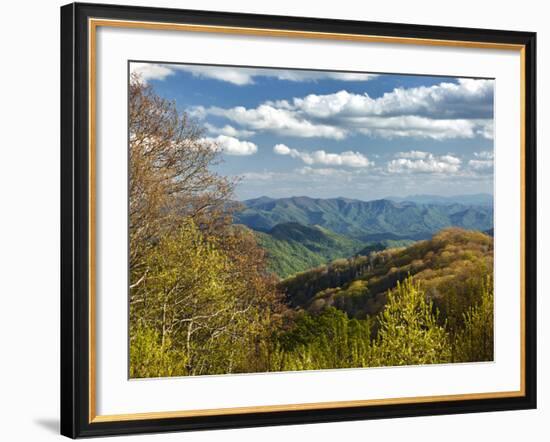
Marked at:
<point>472,199</point>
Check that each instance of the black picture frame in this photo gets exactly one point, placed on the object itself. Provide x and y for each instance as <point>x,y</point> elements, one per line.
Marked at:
<point>75,220</point>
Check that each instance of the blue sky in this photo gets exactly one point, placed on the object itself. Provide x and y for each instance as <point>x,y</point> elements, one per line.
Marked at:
<point>328,134</point>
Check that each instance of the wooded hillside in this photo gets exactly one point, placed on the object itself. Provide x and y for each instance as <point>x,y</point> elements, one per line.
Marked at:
<point>203,298</point>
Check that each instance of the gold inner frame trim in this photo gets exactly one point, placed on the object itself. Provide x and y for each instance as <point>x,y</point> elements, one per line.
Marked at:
<point>298,34</point>
<point>93,24</point>
<point>295,407</point>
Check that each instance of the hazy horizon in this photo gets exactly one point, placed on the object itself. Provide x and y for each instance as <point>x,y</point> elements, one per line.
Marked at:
<point>387,197</point>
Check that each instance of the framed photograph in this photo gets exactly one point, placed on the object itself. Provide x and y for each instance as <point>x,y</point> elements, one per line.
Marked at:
<point>274,220</point>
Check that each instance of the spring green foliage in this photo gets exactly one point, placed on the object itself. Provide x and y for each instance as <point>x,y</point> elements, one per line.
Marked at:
<point>449,267</point>
<point>197,322</point>
<point>293,247</point>
<point>474,342</point>
<point>195,317</point>
<point>303,287</point>
<point>189,297</point>
<point>195,313</point>
<point>376,246</point>
<point>409,331</point>
<point>150,358</point>
<point>202,299</point>
<point>324,341</point>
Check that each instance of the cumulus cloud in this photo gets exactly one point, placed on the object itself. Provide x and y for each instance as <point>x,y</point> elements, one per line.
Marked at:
<point>439,112</point>
<point>450,159</point>
<point>245,76</point>
<point>417,162</point>
<point>443,111</point>
<point>483,161</point>
<point>480,165</point>
<point>150,71</point>
<point>448,110</point>
<point>485,129</point>
<point>323,171</point>
<point>416,127</point>
<point>468,99</point>
<point>348,158</point>
<point>413,154</point>
<point>272,119</point>
<point>233,146</point>
<point>259,176</point>
<point>282,149</point>
<point>485,155</point>
<point>304,75</point>
<point>228,130</point>
<point>237,76</point>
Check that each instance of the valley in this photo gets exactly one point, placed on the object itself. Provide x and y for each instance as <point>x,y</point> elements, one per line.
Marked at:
<point>300,233</point>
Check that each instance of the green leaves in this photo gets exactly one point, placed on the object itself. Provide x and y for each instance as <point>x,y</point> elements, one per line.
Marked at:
<point>325,341</point>
<point>293,247</point>
<point>202,300</point>
<point>475,341</point>
<point>149,358</point>
<point>409,332</point>
<point>194,313</point>
<point>449,268</point>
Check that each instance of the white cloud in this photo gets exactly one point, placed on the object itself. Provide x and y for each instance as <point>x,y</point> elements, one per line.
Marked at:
<point>486,129</point>
<point>413,154</point>
<point>259,176</point>
<point>416,127</point>
<point>348,158</point>
<point>245,76</point>
<point>281,149</point>
<point>467,99</point>
<point>199,112</point>
<point>150,71</point>
<point>426,164</point>
<point>439,112</point>
<point>483,162</point>
<point>233,146</point>
<point>450,159</point>
<point>480,165</point>
<point>485,154</point>
<point>237,76</point>
<point>323,171</point>
<point>303,76</point>
<point>272,119</point>
<point>442,111</point>
<point>228,130</point>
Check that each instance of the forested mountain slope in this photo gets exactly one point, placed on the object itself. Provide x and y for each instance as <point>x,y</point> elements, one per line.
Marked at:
<point>364,220</point>
<point>446,267</point>
<point>294,247</point>
<point>478,199</point>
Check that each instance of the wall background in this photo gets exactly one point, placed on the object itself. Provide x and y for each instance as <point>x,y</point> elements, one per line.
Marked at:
<point>29,221</point>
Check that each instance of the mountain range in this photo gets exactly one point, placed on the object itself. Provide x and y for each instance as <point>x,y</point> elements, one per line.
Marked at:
<point>300,233</point>
<point>478,199</point>
<point>365,220</point>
